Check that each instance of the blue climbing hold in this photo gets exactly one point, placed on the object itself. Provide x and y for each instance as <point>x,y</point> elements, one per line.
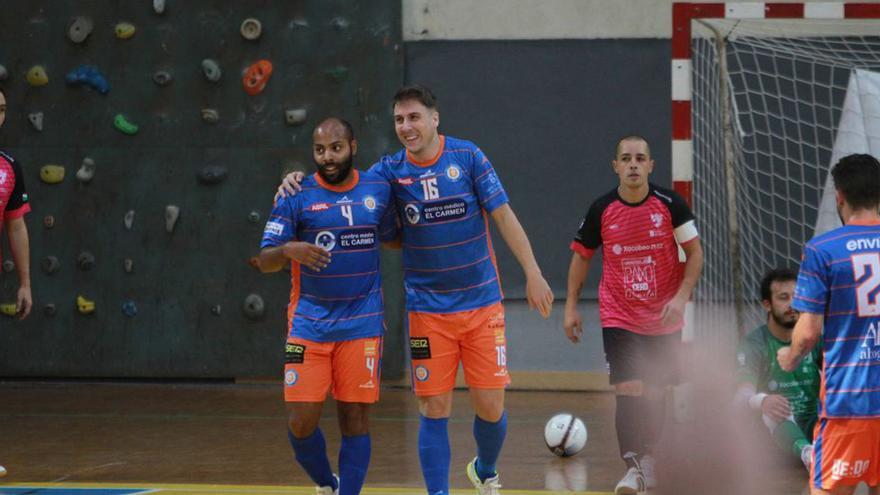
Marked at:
<point>129,309</point>
<point>90,76</point>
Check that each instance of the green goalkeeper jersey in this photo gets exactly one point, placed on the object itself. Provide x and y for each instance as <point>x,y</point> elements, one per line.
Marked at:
<point>757,364</point>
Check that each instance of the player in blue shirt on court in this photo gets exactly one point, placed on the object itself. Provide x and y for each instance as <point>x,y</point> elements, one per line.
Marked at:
<point>446,190</point>
<point>838,295</point>
<point>330,235</point>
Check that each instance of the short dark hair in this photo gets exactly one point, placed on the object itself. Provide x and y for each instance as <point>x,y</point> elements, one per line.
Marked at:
<point>775,275</point>
<point>346,126</point>
<point>632,137</point>
<point>857,177</point>
<point>416,92</point>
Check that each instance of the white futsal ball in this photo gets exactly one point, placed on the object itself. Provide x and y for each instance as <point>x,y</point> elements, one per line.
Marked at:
<point>565,435</point>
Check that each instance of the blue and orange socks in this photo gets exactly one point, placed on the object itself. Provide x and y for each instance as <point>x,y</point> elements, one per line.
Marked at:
<point>354,459</point>
<point>434,454</point>
<point>490,439</point>
<point>311,454</point>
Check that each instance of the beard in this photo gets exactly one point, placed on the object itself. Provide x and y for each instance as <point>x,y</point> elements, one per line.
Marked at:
<point>342,172</point>
<point>782,320</point>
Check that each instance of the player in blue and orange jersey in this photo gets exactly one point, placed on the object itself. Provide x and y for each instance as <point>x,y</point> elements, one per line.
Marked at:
<point>446,190</point>
<point>13,206</point>
<point>330,235</point>
<point>838,295</point>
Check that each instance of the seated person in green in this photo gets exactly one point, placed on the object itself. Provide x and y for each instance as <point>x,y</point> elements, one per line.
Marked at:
<point>787,401</point>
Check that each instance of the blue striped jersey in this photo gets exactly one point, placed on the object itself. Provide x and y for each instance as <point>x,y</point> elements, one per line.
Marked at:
<point>840,279</point>
<point>448,260</point>
<point>344,300</point>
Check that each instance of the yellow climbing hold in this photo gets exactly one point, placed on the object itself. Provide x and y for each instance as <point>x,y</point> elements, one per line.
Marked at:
<point>124,30</point>
<point>84,306</point>
<point>36,76</point>
<point>8,309</point>
<point>52,174</point>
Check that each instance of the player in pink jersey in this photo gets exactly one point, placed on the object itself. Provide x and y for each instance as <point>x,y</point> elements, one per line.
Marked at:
<point>642,296</point>
<point>838,296</point>
<point>13,206</point>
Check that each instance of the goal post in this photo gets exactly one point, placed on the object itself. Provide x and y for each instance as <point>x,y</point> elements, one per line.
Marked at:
<point>765,98</point>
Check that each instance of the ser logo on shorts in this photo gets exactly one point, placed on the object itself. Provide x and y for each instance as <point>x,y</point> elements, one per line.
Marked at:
<point>294,353</point>
<point>420,348</point>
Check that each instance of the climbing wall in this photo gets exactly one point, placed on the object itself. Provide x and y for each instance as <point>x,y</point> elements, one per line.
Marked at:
<point>173,124</point>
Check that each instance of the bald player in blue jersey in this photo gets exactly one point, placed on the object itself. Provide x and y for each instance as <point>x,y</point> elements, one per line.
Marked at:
<point>445,190</point>
<point>838,296</point>
<point>330,235</point>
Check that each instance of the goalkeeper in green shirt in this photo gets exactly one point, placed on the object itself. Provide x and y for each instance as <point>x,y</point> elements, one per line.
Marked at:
<point>787,401</point>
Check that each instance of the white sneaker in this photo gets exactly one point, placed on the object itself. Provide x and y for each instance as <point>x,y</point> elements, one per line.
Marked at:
<point>632,483</point>
<point>649,465</point>
<point>491,486</point>
<point>807,456</point>
<point>326,490</point>
<point>2,471</point>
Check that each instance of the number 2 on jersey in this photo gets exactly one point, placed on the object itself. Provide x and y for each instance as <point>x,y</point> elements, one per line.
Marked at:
<point>346,212</point>
<point>868,287</point>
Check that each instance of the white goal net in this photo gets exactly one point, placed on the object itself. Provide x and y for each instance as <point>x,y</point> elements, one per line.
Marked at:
<point>775,103</point>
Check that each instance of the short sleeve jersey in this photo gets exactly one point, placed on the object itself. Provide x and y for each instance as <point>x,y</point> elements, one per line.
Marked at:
<point>344,300</point>
<point>448,260</point>
<point>840,279</point>
<point>641,270</point>
<point>757,364</point>
<point>13,196</point>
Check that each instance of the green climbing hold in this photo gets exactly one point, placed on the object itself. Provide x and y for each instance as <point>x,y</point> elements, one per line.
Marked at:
<point>124,125</point>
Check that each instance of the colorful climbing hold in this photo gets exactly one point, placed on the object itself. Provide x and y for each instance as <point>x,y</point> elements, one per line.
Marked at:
<point>254,216</point>
<point>295,116</point>
<point>90,76</point>
<point>216,310</point>
<point>124,30</point>
<point>253,307</point>
<point>211,69</point>
<point>210,115</point>
<point>251,29</point>
<point>172,213</point>
<point>256,77</point>
<point>4,74</point>
<point>48,221</point>
<point>52,174</point>
<point>9,309</point>
<point>80,28</point>
<point>129,309</point>
<point>86,171</point>
<point>128,265</point>
<point>85,306</point>
<point>49,309</point>
<point>8,266</point>
<point>50,265</point>
<point>212,174</point>
<point>36,120</point>
<point>124,125</point>
<point>162,78</point>
<point>85,261</point>
<point>128,219</point>
<point>159,6</point>
<point>36,76</point>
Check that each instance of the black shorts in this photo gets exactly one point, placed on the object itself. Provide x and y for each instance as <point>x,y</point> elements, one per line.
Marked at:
<point>653,359</point>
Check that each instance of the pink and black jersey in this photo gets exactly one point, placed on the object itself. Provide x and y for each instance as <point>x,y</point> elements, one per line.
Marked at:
<point>641,270</point>
<point>448,260</point>
<point>344,300</point>
<point>840,279</point>
<point>13,197</point>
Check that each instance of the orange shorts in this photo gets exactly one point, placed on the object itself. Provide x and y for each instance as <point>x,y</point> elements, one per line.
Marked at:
<point>846,452</point>
<point>351,366</point>
<point>438,342</point>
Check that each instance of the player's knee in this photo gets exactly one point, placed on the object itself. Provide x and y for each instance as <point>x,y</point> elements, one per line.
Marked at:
<point>300,428</point>
<point>354,419</point>
<point>436,406</point>
<point>489,404</point>
<point>631,388</point>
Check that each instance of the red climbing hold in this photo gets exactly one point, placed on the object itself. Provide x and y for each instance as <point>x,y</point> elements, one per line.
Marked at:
<point>256,77</point>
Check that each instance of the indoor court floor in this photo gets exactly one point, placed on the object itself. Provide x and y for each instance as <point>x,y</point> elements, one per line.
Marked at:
<point>121,438</point>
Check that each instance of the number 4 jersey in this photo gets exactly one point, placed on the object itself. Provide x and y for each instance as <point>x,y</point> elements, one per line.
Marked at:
<point>840,279</point>
<point>641,271</point>
<point>344,300</point>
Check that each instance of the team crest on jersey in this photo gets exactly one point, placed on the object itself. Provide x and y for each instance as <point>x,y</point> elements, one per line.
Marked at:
<point>319,207</point>
<point>412,213</point>
<point>422,373</point>
<point>325,239</point>
<point>772,385</point>
<point>657,219</point>
<point>453,173</point>
<point>290,378</point>
<point>616,249</point>
<point>370,203</point>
